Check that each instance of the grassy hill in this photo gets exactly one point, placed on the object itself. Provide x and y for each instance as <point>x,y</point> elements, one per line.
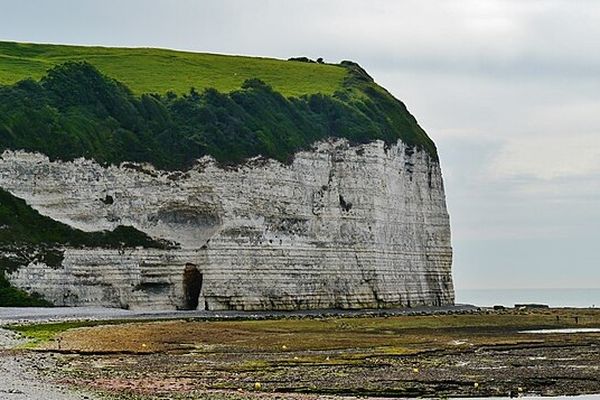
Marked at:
<point>146,70</point>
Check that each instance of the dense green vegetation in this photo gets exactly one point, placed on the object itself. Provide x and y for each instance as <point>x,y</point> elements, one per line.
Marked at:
<point>13,297</point>
<point>22,225</point>
<point>76,111</point>
<point>26,236</point>
<point>39,334</point>
<point>158,71</point>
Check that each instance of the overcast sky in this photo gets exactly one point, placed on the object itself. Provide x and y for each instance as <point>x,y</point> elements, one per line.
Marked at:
<point>509,91</point>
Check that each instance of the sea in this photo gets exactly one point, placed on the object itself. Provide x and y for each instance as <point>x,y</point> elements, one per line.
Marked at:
<point>585,298</point>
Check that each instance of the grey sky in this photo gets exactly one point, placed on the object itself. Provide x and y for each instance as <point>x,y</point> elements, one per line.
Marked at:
<point>509,90</point>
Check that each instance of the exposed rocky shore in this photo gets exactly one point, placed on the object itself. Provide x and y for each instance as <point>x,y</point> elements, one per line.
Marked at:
<point>22,375</point>
<point>456,353</point>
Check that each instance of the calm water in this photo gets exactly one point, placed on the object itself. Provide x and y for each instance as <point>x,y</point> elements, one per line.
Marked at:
<point>566,330</point>
<point>551,297</point>
<point>582,397</point>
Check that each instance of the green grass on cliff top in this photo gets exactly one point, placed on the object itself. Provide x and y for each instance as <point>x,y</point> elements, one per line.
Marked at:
<point>146,70</point>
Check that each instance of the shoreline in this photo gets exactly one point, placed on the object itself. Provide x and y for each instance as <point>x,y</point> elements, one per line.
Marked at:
<point>28,315</point>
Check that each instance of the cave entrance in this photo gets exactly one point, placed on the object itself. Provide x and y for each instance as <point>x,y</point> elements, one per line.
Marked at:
<point>192,286</point>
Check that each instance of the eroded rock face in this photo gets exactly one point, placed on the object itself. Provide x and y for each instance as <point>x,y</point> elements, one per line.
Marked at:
<point>341,227</point>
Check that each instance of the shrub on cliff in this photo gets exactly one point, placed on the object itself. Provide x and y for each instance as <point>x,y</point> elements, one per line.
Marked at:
<point>21,225</point>
<point>76,111</point>
<point>13,297</point>
<point>27,236</point>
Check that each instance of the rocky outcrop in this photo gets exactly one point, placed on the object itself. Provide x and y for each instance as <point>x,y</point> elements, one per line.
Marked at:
<point>342,226</point>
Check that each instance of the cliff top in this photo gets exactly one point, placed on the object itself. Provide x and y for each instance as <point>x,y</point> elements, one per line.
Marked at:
<point>147,70</point>
<point>169,108</point>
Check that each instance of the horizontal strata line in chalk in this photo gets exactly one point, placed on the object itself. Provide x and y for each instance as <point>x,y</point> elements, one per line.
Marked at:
<point>255,264</point>
<point>292,272</point>
<point>281,268</point>
<point>328,276</point>
<point>392,249</point>
<point>328,294</point>
<point>290,252</point>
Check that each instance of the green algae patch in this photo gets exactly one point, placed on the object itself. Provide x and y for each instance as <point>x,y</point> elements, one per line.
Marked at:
<point>40,335</point>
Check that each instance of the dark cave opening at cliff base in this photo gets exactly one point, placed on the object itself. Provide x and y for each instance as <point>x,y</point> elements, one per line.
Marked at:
<point>192,285</point>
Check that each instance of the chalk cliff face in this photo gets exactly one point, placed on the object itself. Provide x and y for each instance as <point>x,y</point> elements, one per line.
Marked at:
<point>342,226</point>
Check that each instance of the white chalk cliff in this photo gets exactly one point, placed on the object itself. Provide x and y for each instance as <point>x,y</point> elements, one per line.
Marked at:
<point>342,226</point>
